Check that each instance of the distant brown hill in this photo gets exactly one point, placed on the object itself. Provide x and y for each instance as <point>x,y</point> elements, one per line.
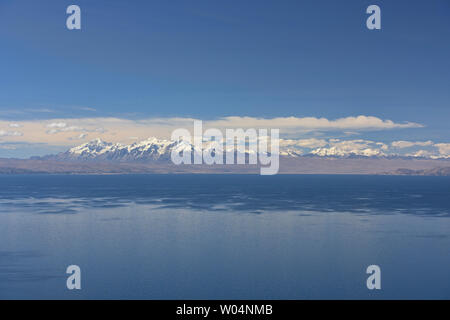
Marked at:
<point>444,171</point>
<point>299,165</point>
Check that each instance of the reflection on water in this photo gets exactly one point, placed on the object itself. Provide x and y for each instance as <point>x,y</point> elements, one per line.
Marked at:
<point>224,236</point>
<point>358,194</point>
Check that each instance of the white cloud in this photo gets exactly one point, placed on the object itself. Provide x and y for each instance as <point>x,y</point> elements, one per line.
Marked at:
<point>304,143</point>
<point>310,123</point>
<point>422,153</point>
<point>382,145</point>
<point>4,133</point>
<point>444,148</point>
<point>408,144</point>
<point>434,150</point>
<point>58,132</point>
<point>57,127</point>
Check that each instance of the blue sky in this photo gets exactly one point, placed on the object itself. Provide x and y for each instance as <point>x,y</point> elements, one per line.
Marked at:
<point>212,59</point>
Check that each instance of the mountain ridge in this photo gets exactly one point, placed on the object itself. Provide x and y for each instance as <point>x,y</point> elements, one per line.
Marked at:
<point>153,156</point>
<point>153,149</point>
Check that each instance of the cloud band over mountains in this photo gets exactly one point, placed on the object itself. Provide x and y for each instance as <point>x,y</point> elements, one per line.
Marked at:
<point>65,131</point>
<point>299,134</point>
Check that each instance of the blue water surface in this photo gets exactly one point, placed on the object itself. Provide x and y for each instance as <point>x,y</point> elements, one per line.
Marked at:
<point>224,236</point>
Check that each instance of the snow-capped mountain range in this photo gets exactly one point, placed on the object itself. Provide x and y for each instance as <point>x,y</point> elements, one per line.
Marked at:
<point>154,149</point>
<point>150,149</point>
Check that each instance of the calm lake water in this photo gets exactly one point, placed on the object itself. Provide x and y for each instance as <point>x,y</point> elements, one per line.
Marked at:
<point>224,236</point>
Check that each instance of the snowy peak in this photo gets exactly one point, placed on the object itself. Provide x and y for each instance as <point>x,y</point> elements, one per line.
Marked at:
<point>339,152</point>
<point>91,148</point>
<point>97,149</point>
<point>153,149</point>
